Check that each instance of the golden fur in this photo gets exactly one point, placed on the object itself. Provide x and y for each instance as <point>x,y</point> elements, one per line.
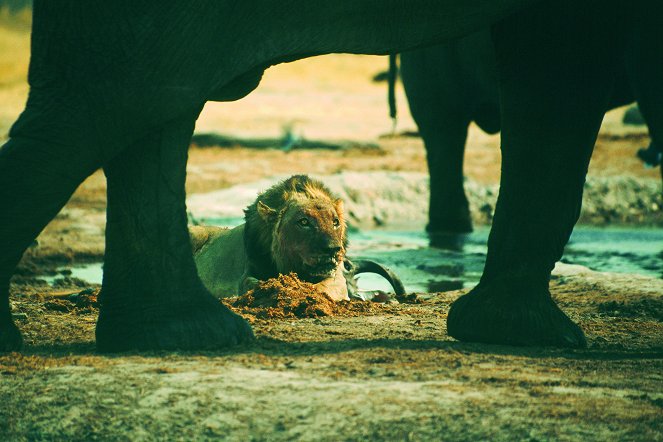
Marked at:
<point>295,226</point>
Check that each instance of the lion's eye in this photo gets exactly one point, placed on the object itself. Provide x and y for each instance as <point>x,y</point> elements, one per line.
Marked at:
<point>337,223</point>
<point>304,222</point>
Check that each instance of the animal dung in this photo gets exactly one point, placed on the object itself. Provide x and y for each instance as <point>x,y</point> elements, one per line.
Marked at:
<point>285,296</point>
<point>288,297</point>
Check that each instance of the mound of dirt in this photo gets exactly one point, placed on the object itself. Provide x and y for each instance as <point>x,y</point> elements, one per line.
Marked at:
<point>288,297</point>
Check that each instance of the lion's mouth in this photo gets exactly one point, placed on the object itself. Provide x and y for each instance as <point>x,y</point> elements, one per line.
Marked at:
<point>321,267</point>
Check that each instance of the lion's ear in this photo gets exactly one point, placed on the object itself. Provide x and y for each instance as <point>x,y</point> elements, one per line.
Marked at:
<point>338,205</point>
<point>266,213</point>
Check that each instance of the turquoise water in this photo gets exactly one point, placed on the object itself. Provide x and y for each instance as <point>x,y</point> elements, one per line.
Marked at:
<point>426,269</point>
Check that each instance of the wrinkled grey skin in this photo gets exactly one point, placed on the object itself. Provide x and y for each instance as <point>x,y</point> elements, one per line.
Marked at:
<point>118,85</point>
<point>447,87</point>
<point>450,85</point>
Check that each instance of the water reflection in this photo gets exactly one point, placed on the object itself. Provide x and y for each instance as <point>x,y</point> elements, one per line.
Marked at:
<point>447,241</point>
<point>457,260</point>
<point>424,268</point>
<point>446,269</point>
<point>450,276</point>
<point>444,285</point>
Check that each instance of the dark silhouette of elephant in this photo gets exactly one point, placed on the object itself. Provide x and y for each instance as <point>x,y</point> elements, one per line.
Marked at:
<point>453,84</point>
<point>120,84</point>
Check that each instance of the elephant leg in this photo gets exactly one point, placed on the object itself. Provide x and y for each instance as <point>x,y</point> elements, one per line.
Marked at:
<point>152,297</point>
<point>644,62</point>
<point>449,210</point>
<point>556,69</point>
<point>36,180</point>
<point>437,102</point>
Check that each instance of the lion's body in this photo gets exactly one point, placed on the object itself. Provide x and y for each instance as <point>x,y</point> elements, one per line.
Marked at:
<point>295,226</point>
<point>220,258</point>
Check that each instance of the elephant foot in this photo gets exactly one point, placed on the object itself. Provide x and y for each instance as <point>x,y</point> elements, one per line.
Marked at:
<point>460,222</point>
<point>10,337</point>
<point>205,326</point>
<point>512,312</point>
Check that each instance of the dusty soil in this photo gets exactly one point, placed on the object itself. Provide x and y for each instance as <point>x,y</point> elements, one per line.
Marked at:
<point>373,372</point>
<point>389,373</point>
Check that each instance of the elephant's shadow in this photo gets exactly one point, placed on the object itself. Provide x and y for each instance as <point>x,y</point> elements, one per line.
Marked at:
<point>271,347</point>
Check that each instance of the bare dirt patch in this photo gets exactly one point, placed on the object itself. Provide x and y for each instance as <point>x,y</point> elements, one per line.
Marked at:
<point>387,373</point>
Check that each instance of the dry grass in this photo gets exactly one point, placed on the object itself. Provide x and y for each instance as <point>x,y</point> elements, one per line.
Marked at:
<point>14,47</point>
<point>14,59</point>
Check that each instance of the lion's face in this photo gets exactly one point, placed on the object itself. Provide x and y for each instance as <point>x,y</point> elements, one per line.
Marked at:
<point>309,238</point>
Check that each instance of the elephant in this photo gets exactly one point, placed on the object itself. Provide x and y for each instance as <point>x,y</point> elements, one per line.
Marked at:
<point>452,84</point>
<point>119,86</point>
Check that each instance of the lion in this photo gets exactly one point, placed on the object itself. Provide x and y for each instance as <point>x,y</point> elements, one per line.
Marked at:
<point>296,226</point>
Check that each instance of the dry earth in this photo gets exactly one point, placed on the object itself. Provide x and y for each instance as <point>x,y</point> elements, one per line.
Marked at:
<point>388,374</point>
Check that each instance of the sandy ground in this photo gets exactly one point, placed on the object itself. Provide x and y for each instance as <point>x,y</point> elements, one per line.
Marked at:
<point>391,374</point>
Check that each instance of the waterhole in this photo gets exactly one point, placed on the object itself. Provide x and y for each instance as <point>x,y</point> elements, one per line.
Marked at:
<point>423,268</point>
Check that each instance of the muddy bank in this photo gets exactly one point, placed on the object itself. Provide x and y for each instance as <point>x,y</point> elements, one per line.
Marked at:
<point>396,199</point>
<point>391,373</point>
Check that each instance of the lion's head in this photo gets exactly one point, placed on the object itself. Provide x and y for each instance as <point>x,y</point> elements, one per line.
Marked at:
<point>296,226</point>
